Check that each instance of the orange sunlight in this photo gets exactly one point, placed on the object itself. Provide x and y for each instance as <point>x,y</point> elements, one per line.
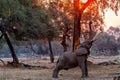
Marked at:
<point>85,4</point>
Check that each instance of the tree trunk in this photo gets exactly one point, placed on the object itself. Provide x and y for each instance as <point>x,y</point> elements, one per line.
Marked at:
<point>78,10</point>
<point>63,43</point>
<point>3,30</point>
<point>65,35</point>
<point>77,26</point>
<point>51,52</point>
<point>15,59</point>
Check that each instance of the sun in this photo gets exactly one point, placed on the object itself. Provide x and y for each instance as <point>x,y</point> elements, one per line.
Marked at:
<point>84,1</point>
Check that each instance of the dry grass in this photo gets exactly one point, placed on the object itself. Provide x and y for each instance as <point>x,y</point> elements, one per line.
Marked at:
<point>36,74</point>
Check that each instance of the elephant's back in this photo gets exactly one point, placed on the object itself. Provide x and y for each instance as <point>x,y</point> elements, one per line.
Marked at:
<point>81,51</point>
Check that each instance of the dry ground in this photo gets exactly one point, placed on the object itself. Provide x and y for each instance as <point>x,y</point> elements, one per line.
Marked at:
<point>37,74</point>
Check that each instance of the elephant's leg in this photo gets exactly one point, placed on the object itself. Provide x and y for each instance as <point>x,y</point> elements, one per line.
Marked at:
<point>56,71</point>
<point>82,62</point>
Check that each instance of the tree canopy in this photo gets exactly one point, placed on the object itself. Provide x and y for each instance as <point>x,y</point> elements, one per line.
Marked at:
<point>32,19</point>
<point>26,20</point>
<point>105,4</point>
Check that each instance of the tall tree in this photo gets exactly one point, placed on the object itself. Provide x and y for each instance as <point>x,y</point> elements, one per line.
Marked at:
<point>77,26</point>
<point>101,5</point>
<point>62,13</point>
<point>77,19</point>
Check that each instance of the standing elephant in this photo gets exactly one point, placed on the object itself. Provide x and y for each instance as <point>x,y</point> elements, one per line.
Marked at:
<point>73,59</point>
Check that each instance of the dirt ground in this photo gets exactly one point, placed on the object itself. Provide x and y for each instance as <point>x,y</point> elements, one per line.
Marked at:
<point>101,67</point>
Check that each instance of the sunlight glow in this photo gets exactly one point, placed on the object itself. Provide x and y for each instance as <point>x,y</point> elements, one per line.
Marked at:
<point>84,1</point>
<point>111,19</point>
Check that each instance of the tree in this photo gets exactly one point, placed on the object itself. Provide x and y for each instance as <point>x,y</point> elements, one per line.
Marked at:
<point>26,20</point>
<point>60,12</point>
<point>101,5</point>
<point>50,35</point>
<point>4,33</point>
<point>5,12</point>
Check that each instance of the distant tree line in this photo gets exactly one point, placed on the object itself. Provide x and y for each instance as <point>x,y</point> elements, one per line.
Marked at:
<point>109,43</point>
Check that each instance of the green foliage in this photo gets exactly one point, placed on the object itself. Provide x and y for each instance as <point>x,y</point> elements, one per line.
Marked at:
<point>7,7</point>
<point>52,32</point>
<point>26,20</point>
<point>26,2</point>
<point>18,16</point>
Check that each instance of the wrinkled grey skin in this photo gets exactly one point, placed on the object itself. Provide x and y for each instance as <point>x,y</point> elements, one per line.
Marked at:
<point>70,60</point>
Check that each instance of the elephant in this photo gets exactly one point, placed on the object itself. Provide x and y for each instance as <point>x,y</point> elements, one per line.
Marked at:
<point>71,59</point>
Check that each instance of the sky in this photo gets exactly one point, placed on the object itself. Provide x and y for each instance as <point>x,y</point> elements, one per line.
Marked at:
<point>111,19</point>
